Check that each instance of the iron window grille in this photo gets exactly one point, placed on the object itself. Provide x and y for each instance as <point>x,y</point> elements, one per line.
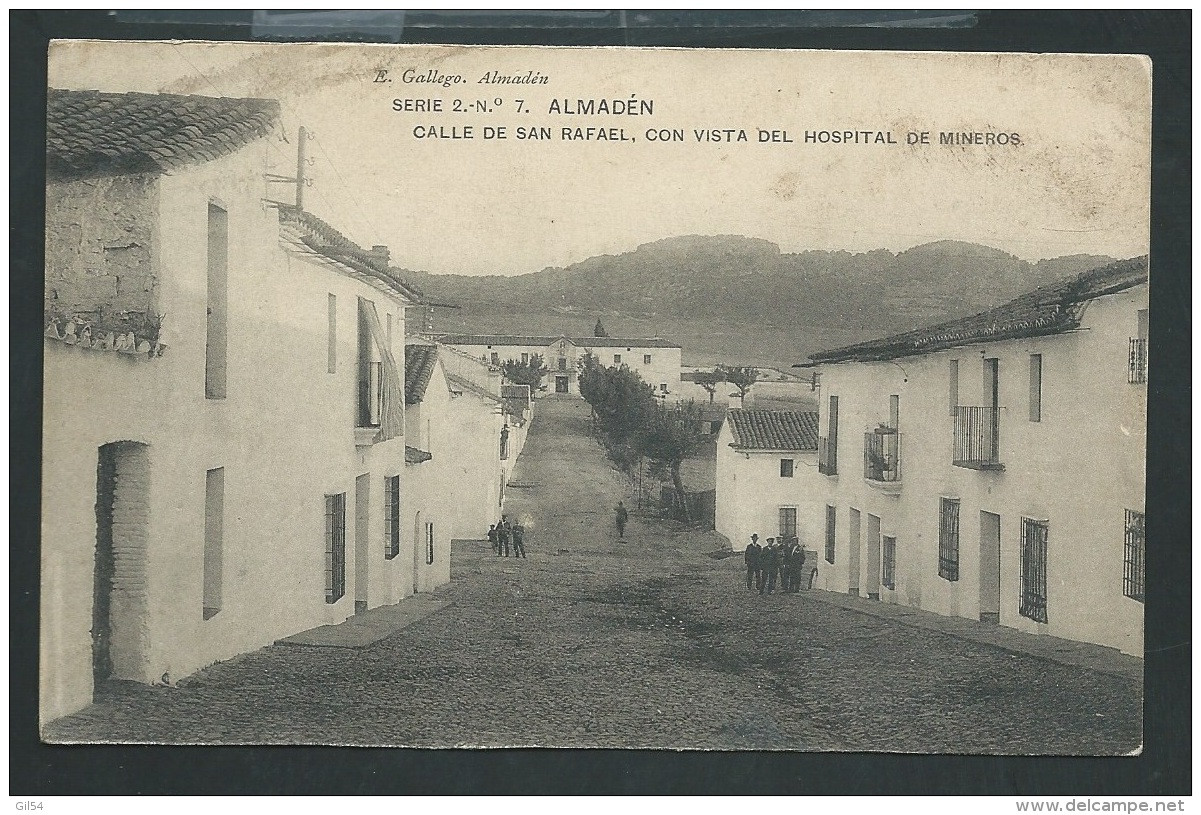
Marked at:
<point>1034,570</point>
<point>882,456</point>
<point>1134,575</point>
<point>391,517</point>
<point>977,438</point>
<point>1138,361</point>
<point>948,538</point>
<point>831,517</point>
<point>646,359</point>
<point>617,359</point>
<point>786,468</point>
<point>888,575</point>
<point>429,543</point>
<point>335,547</point>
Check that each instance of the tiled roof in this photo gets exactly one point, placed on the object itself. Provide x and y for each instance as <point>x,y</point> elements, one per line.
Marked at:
<point>318,236</point>
<point>89,133</point>
<point>773,429</point>
<point>419,367</point>
<point>581,342</point>
<point>415,456</point>
<point>1052,309</point>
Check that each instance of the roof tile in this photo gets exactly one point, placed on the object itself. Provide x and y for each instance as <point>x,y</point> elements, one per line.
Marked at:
<point>773,429</point>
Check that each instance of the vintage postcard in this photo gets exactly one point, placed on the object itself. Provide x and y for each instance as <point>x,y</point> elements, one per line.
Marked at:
<point>451,396</point>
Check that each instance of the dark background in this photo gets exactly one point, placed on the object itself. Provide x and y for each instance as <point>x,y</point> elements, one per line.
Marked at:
<point>1164,768</point>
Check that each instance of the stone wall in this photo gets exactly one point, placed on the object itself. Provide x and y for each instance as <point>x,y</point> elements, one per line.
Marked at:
<point>101,251</point>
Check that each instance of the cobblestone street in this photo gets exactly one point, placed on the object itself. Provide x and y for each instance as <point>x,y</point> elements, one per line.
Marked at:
<point>647,642</point>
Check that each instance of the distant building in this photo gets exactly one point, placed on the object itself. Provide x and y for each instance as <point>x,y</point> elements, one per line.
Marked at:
<point>992,467</point>
<point>761,459</point>
<point>224,416</point>
<point>656,360</point>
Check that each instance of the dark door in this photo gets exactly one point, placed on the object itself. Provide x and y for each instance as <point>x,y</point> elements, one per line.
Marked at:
<point>102,576</point>
<point>560,384</point>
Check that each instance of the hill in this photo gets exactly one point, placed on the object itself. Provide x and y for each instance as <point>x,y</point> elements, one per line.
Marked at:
<point>724,283</point>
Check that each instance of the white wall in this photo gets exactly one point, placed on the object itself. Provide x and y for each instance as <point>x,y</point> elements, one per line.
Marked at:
<point>1080,467</point>
<point>750,492</point>
<point>284,435</point>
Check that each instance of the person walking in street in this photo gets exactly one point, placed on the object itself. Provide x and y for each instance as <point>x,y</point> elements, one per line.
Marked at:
<point>503,532</point>
<point>519,540</point>
<point>782,558</point>
<point>751,558</point>
<point>494,539</point>
<point>620,517</point>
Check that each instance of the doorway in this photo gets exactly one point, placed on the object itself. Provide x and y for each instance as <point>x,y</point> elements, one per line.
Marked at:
<point>560,384</point>
<point>362,558</point>
<point>990,567</point>
<point>119,607</point>
<point>873,557</point>
<point>853,544</point>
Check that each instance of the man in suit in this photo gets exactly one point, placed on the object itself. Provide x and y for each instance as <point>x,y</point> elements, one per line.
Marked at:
<point>519,540</point>
<point>769,564</point>
<point>503,533</point>
<point>751,558</point>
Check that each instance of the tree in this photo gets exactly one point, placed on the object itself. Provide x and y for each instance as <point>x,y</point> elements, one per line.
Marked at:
<point>671,435</point>
<point>526,373</point>
<point>740,377</point>
<point>709,380</point>
<point>599,331</point>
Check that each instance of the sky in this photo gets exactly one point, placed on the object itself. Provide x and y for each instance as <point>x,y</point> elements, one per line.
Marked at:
<point>1078,182</point>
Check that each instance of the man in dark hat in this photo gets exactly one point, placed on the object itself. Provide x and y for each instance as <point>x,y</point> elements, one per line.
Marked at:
<point>751,558</point>
<point>518,540</point>
<point>503,533</point>
<point>494,538</point>
<point>769,564</point>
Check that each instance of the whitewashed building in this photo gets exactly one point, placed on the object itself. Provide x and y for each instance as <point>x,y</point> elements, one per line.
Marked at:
<point>656,360</point>
<point>762,457</point>
<point>223,421</point>
<point>993,467</point>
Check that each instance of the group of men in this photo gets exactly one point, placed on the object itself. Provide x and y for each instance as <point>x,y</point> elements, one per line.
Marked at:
<point>502,534</point>
<point>783,560</point>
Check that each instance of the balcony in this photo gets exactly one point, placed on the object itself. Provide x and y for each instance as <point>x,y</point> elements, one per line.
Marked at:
<point>977,438</point>
<point>882,458</point>
<point>1138,361</point>
<point>827,455</point>
<point>371,394</point>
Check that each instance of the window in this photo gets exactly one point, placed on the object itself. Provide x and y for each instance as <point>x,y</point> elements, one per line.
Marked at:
<point>214,539</point>
<point>1133,581</point>
<point>1034,570</point>
<point>888,573</point>
<point>335,547</point>
<point>786,468</point>
<point>562,363</point>
<point>787,522</point>
<point>827,446</point>
<point>1036,387</point>
<point>429,543</point>
<point>525,358</point>
<point>504,443</point>
<point>831,516</point>
<point>894,412</point>
<point>216,336</point>
<point>948,538</point>
<point>646,359</point>
<point>662,387</point>
<point>391,516</point>
<point>495,358</point>
<point>953,395</point>
<point>617,359</point>
<point>371,374</point>
<point>1138,351</point>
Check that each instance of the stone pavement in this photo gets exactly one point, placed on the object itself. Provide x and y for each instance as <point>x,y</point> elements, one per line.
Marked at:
<point>643,643</point>
<point>369,627</point>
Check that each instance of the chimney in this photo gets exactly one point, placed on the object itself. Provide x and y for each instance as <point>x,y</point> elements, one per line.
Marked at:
<point>379,254</point>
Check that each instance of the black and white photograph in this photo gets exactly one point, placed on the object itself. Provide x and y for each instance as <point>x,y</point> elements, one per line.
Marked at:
<point>645,398</point>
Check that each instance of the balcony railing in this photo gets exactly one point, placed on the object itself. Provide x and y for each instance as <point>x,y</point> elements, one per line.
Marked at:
<point>977,438</point>
<point>882,456</point>
<point>1138,361</point>
<point>827,455</point>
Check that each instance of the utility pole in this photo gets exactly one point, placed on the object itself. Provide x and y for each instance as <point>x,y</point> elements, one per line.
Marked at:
<point>300,140</point>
